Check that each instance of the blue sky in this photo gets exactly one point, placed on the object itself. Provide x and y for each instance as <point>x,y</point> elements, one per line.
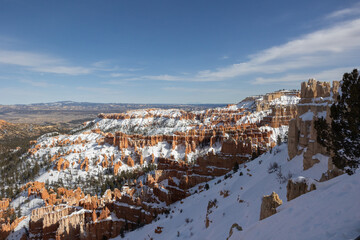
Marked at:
<point>169,51</point>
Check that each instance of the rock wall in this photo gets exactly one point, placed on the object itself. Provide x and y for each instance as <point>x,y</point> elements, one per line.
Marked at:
<point>7,225</point>
<point>316,99</point>
<point>269,204</point>
<point>7,228</point>
<point>298,187</point>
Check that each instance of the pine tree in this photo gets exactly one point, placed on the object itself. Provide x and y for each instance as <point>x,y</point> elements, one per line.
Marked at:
<point>236,167</point>
<point>342,136</point>
<point>278,141</point>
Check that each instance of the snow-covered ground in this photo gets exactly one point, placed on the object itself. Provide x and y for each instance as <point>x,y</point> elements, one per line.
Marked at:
<point>332,211</point>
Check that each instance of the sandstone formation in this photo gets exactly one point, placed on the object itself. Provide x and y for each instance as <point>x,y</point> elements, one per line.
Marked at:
<point>297,188</point>
<point>269,204</point>
<point>7,223</point>
<point>7,228</point>
<point>316,99</point>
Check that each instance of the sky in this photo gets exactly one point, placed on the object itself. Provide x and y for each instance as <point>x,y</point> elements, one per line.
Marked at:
<point>171,51</point>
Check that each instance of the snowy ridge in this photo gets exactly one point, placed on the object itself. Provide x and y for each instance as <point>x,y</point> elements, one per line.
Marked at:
<point>146,126</point>
<point>280,98</point>
<point>329,212</point>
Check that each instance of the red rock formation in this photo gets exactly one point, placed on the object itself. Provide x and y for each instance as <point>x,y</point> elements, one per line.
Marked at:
<point>316,97</point>
<point>105,213</point>
<point>130,162</point>
<point>6,229</point>
<point>116,167</point>
<point>85,164</point>
<point>4,203</point>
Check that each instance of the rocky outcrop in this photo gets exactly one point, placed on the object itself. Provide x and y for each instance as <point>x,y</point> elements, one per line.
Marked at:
<point>44,221</point>
<point>211,204</point>
<point>130,161</point>
<point>7,221</point>
<point>330,174</point>
<point>299,186</point>
<point>270,100</point>
<point>269,204</point>
<point>316,99</point>
<point>69,227</point>
<point>4,203</point>
<point>7,228</point>
<point>116,167</point>
<point>234,226</point>
<point>280,116</point>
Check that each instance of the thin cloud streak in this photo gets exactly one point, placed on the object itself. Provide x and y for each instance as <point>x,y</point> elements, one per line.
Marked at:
<point>100,90</point>
<point>202,90</point>
<point>35,83</point>
<point>40,63</point>
<point>351,11</point>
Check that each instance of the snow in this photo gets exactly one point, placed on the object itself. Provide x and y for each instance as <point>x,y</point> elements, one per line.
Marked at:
<point>246,104</point>
<point>321,114</point>
<point>20,229</point>
<point>285,100</point>
<point>251,102</point>
<point>329,212</point>
<point>308,181</point>
<point>308,116</point>
<point>254,117</point>
<point>146,122</point>
<point>281,131</point>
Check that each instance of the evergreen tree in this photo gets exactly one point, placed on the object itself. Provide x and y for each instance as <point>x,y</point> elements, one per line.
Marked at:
<point>236,167</point>
<point>342,136</point>
<point>278,141</point>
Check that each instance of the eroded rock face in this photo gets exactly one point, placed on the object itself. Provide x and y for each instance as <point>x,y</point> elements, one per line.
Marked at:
<point>7,228</point>
<point>298,187</point>
<point>4,204</point>
<point>7,225</point>
<point>70,214</point>
<point>269,205</point>
<point>69,227</point>
<point>316,99</point>
<point>330,174</point>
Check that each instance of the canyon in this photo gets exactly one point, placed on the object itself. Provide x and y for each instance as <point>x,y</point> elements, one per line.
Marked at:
<point>164,157</point>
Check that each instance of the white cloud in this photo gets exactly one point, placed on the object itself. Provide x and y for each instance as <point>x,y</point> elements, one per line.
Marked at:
<point>100,90</point>
<point>35,83</point>
<point>63,70</point>
<point>26,59</point>
<point>165,77</point>
<point>351,11</point>
<point>323,48</point>
<point>40,63</point>
<point>115,75</point>
<point>202,90</point>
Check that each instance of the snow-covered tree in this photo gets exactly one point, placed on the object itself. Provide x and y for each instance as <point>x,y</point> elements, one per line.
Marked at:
<point>342,136</point>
